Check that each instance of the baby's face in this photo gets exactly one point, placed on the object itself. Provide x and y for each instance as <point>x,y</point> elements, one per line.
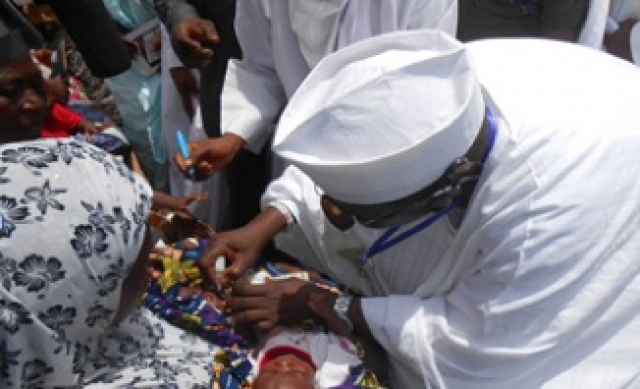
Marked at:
<point>285,372</point>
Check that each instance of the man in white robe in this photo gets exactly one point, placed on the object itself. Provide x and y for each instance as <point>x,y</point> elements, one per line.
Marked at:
<point>614,26</point>
<point>281,41</point>
<point>530,280</point>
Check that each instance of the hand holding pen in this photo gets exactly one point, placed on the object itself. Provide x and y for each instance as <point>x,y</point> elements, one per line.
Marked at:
<point>206,156</point>
<point>183,147</point>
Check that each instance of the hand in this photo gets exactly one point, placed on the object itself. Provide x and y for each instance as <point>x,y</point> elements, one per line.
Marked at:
<point>194,40</point>
<point>89,128</point>
<point>209,155</point>
<point>187,87</point>
<point>618,43</point>
<point>263,307</point>
<point>162,200</point>
<point>240,248</point>
<point>181,204</point>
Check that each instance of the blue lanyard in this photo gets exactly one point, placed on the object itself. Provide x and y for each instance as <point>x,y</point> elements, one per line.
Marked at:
<point>388,239</point>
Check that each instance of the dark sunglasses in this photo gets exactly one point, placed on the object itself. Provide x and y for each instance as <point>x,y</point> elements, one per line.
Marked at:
<point>454,186</point>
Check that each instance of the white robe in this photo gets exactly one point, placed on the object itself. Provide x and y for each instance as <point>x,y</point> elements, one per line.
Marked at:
<point>540,285</point>
<point>273,65</point>
<point>604,17</point>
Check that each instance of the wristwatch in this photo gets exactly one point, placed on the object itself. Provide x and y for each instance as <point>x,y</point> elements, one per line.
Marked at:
<point>341,307</point>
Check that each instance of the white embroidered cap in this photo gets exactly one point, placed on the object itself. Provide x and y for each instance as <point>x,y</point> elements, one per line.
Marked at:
<point>384,117</point>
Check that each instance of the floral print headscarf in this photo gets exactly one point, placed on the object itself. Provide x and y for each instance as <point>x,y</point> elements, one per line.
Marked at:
<point>72,223</point>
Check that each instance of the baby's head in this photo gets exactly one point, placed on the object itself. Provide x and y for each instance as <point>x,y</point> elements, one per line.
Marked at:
<point>285,368</point>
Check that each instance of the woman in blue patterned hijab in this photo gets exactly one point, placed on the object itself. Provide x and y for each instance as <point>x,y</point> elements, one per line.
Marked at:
<point>73,249</point>
<point>72,227</point>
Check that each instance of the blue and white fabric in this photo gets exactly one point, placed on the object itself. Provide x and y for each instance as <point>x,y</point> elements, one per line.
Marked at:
<point>72,223</point>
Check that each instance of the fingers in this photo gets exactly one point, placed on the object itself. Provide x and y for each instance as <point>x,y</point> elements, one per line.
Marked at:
<point>246,290</point>
<point>203,170</point>
<point>198,196</point>
<point>211,33</point>
<point>201,196</point>
<point>197,38</point>
<point>180,162</point>
<point>200,160</point>
<point>250,312</point>
<point>207,263</point>
<point>233,273</point>
<point>258,319</point>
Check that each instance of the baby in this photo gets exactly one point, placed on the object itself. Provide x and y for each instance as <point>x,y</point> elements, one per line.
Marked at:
<point>310,355</point>
<point>296,358</point>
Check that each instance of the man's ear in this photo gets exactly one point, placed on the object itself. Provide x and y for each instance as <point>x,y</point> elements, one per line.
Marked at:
<point>336,215</point>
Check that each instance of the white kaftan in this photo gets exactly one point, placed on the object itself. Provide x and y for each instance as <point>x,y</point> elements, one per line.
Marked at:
<point>540,284</point>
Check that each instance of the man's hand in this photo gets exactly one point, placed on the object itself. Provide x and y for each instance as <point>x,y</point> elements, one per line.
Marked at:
<point>239,248</point>
<point>263,307</point>
<point>209,155</point>
<point>187,87</point>
<point>194,40</point>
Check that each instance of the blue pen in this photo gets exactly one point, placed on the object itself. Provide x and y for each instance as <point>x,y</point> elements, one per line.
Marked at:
<point>184,151</point>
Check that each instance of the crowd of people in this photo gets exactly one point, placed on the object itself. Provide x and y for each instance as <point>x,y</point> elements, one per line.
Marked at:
<point>450,188</point>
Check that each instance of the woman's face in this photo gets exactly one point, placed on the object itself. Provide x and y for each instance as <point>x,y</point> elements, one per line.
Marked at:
<point>134,286</point>
<point>23,101</point>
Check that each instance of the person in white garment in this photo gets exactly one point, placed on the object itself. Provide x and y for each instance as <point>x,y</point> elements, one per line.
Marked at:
<point>485,223</point>
<point>622,36</point>
<point>281,41</point>
<point>614,27</point>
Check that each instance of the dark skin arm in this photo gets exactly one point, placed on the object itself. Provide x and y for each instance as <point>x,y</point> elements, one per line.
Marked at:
<point>266,307</point>
<point>618,43</point>
<point>287,302</point>
<point>89,128</point>
<point>162,200</point>
<point>241,247</point>
<point>210,155</point>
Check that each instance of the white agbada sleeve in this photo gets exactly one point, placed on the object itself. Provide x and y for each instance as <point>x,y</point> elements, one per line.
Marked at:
<point>258,87</point>
<point>253,94</point>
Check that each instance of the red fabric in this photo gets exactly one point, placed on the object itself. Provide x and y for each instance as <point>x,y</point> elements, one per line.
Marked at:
<point>61,122</point>
<point>279,351</point>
